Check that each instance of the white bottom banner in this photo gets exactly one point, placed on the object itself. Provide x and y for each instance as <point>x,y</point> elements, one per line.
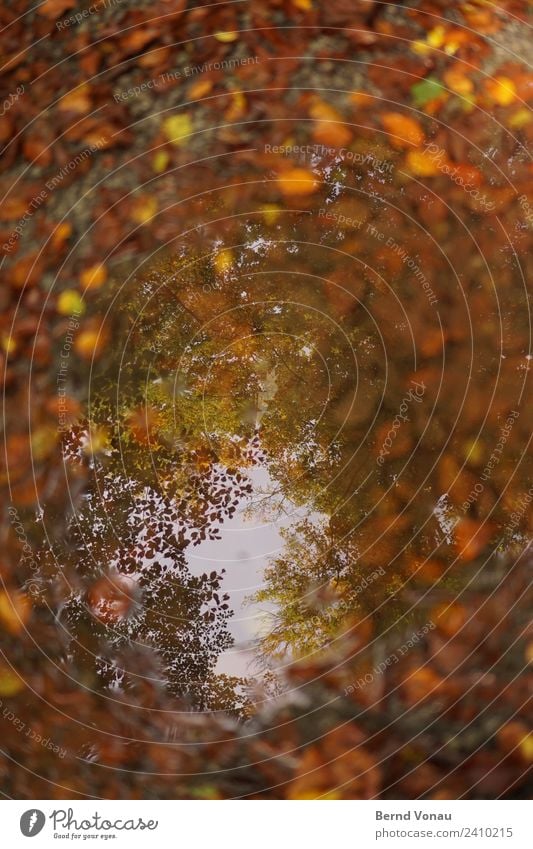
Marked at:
<point>264,824</point>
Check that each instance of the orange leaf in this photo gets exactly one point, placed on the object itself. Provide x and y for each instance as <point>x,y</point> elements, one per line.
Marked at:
<point>298,181</point>
<point>458,81</point>
<point>14,207</point>
<point>322,111</point>
<point>449,618</point>
<point>14,611</point>
<point>78,100</point>
<point>501,90</point>
<point>94,276</point>
<point>200,89</point>
<point>137,39</point>
<point>60,235</point>
<point>53,9</point>
<point>90,343</point>
<point>403,130</point>
<point>471,538</point>
<point>421,684</point>
<point>332,135</point>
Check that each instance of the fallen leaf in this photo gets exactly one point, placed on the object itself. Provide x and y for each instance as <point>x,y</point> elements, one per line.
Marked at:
<point>53,9</point>
<point>177,128</point>
<point>421,163</point>
<point>223,261</point>
<point>94,276</point>
<point>10,683</point>
<point>27,271</point>
<point>15,610</point>
<point>298,181</point>
<point>501,90</point>
<point>70,302</point>
<point>404,131</point>
<point>37,150</point>
<point>78,100</point>
<point>449,618</point>
<point>60,235</point>
<point>420,684</point>
<point>237,107</point>
<point>13,208</point>
<point>200,89</point>
<point>160,161</point>
<point>144,209</point>
<point>426,91</point>
<point>134,41</point>
<point>43,442</point>
<point>519,119</point>
<point>226,37</point>
<point>458,81</point>
<point>471,538</point>
<point>271,213</point>
<point>89,343</point>
<point>331,134</point>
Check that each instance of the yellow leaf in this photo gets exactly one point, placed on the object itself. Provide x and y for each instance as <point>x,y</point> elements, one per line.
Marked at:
<point>526,748</point>
<point>226,37</point>
<point>223,261</point>
<point>501,90</point>
<point>312,793</point>
<point>421,47</point>
<point>9,344</point>
<point>10,683</point>
<point>451,47</point>
<point>519,119</point>
<point>421,163</point>
<point>94,276</point>
<point>304,5</point>
<point>271,213</point>
<point>160,161</point>
<point>70,302</point>
<point>43,440</point>
<point>14,611</point>
<point>237,106</point>
<point>177,128</point>
<point>144,209</point>
<point>436,36</point>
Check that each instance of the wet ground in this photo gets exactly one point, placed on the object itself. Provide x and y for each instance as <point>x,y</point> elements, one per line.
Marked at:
<point>267,373</point>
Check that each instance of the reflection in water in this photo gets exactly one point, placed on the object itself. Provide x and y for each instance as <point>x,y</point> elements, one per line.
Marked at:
<point>286,389</point>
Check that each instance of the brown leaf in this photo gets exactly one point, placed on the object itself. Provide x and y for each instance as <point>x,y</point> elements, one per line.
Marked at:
<point>53,9</point>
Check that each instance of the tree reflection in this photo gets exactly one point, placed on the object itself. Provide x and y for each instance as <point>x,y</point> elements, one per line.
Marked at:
<point>227,364</point>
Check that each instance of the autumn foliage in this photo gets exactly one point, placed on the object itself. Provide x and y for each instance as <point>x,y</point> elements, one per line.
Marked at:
<point>233,237</point>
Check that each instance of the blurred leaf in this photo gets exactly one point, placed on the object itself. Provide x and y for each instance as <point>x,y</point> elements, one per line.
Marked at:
<point>426,90</point>
<point>177,128</point>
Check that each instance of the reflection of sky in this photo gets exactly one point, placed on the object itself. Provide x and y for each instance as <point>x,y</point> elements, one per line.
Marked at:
<point>247,544</point>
